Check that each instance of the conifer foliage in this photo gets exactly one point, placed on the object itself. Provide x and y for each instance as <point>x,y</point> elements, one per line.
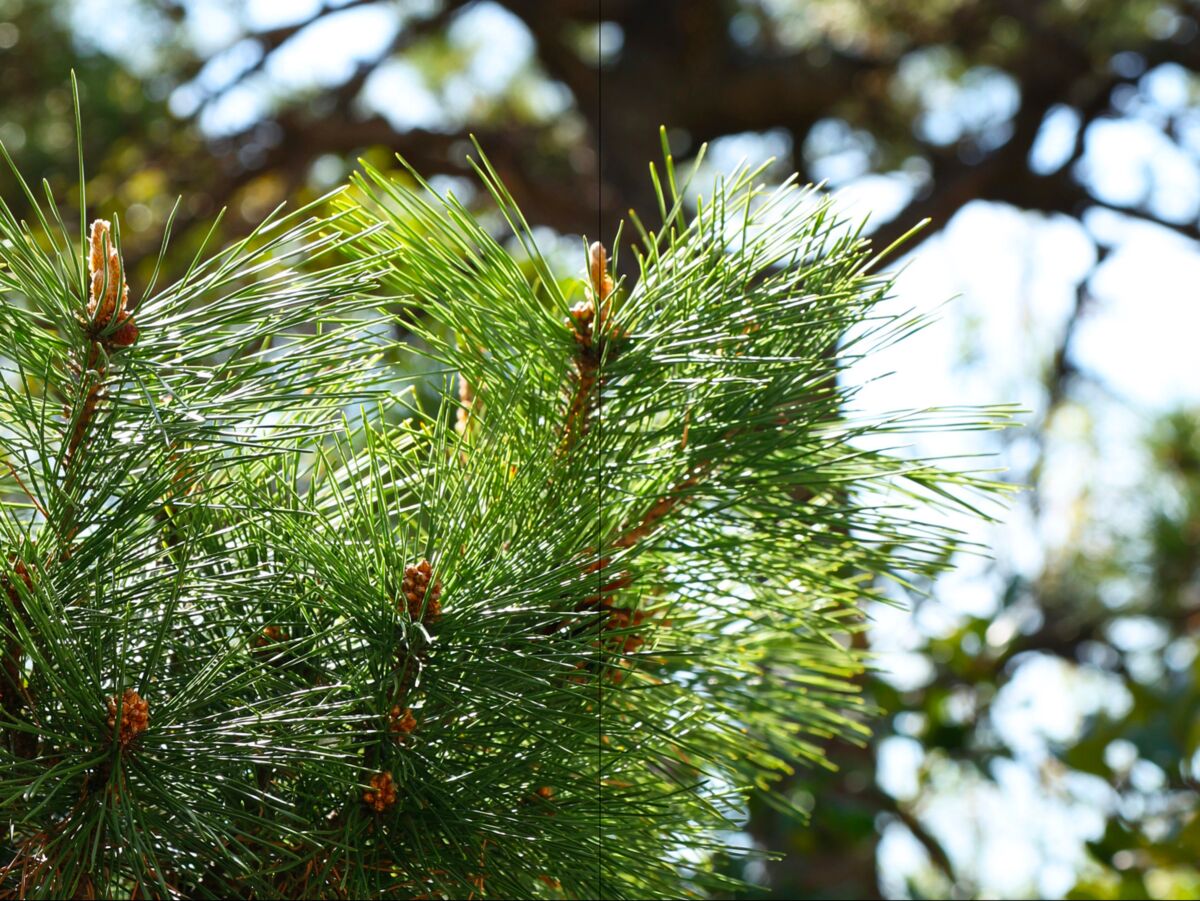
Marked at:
<point>528,616</point>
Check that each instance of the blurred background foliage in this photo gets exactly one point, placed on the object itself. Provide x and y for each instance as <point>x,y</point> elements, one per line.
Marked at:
<point>1039,731</point>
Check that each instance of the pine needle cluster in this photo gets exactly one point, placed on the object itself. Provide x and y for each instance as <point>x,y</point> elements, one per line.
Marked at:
<point>274,624</point>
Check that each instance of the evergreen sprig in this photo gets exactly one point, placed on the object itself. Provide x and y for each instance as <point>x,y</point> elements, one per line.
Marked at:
<point>272,628</point>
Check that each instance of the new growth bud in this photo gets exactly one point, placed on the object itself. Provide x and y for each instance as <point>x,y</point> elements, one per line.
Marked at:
<point>108,299</point>
<point>382,793</point>
<point>424,603</point>
<point>602,283</point>
<point>135,716</point>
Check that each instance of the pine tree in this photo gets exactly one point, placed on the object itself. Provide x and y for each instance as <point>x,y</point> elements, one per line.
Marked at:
<point>527,618</point>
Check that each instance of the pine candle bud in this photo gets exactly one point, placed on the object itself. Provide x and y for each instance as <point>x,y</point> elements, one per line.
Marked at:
<point>580,321</point>
<point>415,587</point>
<point>109,292</point>
<point>466,398</point>
<point>269,635</point>
<point>401,722</point>
<point>602,283</point>
<point>265,644</point>
<point>135,716</point>
<point>382,793</point>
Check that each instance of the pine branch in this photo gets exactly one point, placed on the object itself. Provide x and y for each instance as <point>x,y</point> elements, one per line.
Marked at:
<point>280,623</point>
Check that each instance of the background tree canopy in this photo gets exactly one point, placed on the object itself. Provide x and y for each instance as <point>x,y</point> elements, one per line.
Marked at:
<point>1040,727</point>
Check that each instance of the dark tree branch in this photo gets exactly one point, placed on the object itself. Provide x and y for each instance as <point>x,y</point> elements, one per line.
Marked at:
<point>937,854</point>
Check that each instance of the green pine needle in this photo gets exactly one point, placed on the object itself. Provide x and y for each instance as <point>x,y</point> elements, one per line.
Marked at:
<point>651,519</point>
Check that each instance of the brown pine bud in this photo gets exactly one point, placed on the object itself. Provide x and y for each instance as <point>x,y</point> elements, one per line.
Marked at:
<point>135,716</point>
<point>602,283</point>
<point>125,335</point>
<point>108,299</point>
<point>422,599</point>
<point>467,400</point>
<point>268,636</point>
<point>382,793</point>
<point>401,722</point>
